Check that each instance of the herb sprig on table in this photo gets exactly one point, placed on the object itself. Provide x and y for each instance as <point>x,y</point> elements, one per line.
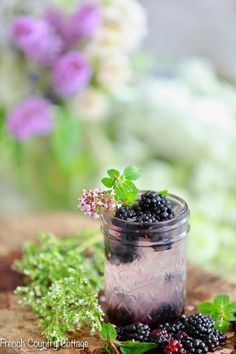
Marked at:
<point>222,310</point>
<point>112,346</point>
<point>63,283</point>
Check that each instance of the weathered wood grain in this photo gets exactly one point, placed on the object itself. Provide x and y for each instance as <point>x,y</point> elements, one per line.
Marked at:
<point>21,324</point>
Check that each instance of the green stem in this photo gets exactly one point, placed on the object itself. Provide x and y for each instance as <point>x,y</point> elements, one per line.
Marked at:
<point>88,243</point>
<point>116,350</point>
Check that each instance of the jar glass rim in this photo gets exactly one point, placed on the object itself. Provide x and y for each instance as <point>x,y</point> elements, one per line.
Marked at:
<point>182,217</point>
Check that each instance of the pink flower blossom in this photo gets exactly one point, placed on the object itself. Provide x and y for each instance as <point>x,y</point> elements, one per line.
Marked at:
<point>83,22</point>
<point>32,117</point>
<point>70,74</point>
<point>37,39</point>
<point>58,20</point>
<point>93,202</point>
<point>77,26</point>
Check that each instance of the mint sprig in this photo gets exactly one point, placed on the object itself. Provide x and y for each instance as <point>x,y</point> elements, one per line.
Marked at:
<point>221,309</point>
<point>113,346</point>
<point>125,191</point>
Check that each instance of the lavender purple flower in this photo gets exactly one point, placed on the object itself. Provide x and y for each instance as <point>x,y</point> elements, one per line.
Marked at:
<point>93,202</point>
<point>58,20</point>
<point>37,39</point>
<point>83,22</point>
<point>32,117</point>
<point>70,74</point>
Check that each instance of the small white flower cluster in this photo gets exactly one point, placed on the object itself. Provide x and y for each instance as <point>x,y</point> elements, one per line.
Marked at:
<point>122,29</point>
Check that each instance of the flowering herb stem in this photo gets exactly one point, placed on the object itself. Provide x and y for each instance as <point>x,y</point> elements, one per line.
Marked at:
<point>63,284</point>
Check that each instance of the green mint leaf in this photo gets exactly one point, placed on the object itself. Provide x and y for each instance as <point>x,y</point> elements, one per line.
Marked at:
<point>129,187</point>
<point>120,194</point>
<point>113,173</point>
<point>131,347</point>
<point>108,332</point>
<point>231,307</point>
<point>205,307</point>
<point>222,325</point>
<point>229,316</point>
<point>108,182</point>
<point>130,197</point>
<point>130,190</point>
<point>164,192</point>
<point>221,300</point>
<point>215,313</point>
<point>132,173</point>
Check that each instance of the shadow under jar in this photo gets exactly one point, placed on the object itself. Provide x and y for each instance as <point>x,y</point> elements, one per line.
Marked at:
<point>145,267</point>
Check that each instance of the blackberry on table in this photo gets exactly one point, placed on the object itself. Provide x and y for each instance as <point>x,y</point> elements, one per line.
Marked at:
<point>193,345</point>
<point>214,340</point>
<point>199,325</point>
<point>137,331</point>
<point>160,207</point>
<point>161,337</point>
<point>173,328</point>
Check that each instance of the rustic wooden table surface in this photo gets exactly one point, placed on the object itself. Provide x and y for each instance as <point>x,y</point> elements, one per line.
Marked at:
<point>19,325</point>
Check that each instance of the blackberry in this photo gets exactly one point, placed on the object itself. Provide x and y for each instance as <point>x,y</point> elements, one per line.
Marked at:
<point>214,340</point>
<point>173,328</point>
<point>137,209</point>
<point>119,315</point>
<point>146,217</point>
<point>161,337</point>
<point>124,254</point>
<point>126,213</point>
<point>199,325</point>
<point>137,331</point>
<point>160,207</point>
<point>166,313</point>
<point>192,345</point>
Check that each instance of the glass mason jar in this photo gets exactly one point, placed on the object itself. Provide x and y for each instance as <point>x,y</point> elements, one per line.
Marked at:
<point>145,267</point>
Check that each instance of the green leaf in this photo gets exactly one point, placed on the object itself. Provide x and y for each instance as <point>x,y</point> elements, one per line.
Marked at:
<point>229,316</point>
<point>131,347</point>
<point>222,325</point>
<point>216,312</point>
<point>113,173</point>
<point>164,192</point>
<point>130,191</point>
<point>129,187</point>
<point>132,173</point>
<point>120,194</point>
<point>108,332</point>
<point>231,307</point>
<point>221,300</point>
<point>205,307</point>
<point>108,182</point>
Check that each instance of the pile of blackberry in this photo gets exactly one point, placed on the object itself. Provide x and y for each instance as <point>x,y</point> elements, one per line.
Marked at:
<point>151,207</point>
<point>195,334</point>
<point>137,331</point>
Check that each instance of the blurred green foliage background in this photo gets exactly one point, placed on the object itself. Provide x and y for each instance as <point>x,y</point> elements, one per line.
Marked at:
<point>176,120</point>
